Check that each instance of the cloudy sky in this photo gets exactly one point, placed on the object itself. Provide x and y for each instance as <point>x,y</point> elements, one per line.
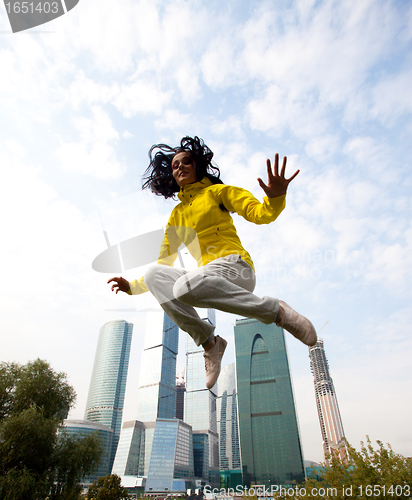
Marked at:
<point>326,83</point>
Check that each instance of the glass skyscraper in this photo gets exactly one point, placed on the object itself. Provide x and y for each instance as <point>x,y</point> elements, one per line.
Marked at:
<point>108,382</point>
<point>200,412</point>
<point>156,396</point>
<point>180,398</point>
<point>326,401</point>
<point>227,425</point>
<point>157,382</point>
<point>269,437</point>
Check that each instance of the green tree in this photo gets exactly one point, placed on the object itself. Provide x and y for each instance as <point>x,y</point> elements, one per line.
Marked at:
<point>107,488</point>
<point>369,473</point>
<point>75,457</point>
<point>35,462</point>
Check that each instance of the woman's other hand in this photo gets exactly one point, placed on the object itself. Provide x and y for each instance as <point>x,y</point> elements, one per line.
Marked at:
<point>120,284</point>
<point>277,183</point>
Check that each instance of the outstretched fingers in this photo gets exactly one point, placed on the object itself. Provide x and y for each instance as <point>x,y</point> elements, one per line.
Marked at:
<point>116,284</point>
<point>275,167</point>
<point>282,172</point>
<point>277,182</point>
<point>293,176</point>
<point>283,169</point>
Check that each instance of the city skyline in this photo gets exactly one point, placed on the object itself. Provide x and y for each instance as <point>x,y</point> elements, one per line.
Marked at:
<point>266,430</point>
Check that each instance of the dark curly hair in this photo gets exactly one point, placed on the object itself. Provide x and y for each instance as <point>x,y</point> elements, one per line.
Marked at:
<point>159,174</point>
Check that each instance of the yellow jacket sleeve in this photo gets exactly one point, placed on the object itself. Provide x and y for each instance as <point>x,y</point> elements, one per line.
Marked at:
<point>245,204</point>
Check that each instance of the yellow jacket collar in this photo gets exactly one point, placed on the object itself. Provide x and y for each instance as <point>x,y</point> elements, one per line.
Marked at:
<point>193,188</point>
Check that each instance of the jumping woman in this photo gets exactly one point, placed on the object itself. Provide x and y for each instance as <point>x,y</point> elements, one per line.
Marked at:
<point>225,278</point>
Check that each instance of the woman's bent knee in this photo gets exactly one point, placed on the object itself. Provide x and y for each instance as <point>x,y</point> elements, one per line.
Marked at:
<point>151,274</point>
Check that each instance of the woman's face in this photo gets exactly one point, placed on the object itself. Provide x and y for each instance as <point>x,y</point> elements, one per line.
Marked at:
<point>183,168</point>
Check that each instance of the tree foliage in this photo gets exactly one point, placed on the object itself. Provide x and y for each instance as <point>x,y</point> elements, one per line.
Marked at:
<point>369,473</point>
<point>107,488</point>
<point>36,461</point>
<point>34,385</point>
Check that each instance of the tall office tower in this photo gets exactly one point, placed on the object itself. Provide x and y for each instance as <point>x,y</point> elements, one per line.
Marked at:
<point>200,413</point>
<point>108,382</point>
<point>157,383</point>
<point>180,396</point>
<point>227,425</point>
<point>326,401</point>
<point>156,396</point>
<point>269,437</point>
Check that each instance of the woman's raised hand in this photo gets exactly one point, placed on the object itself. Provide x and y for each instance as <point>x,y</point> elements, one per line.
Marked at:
<point>120,284</point>
<point>277,183</point>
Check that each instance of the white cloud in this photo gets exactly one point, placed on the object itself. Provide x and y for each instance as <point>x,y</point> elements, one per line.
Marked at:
<point>174,120</point>
<point>279,112</point>
<point>105,33</point>
<point>232,126</point>
<point>43,249</point>
<point>94,153</point>
<point>373,158</point>
<point>322,148</point>
<point>392,98</point>
<point>392,263</point>
<point>221,64</point>
<point>141,97</point>
<point>351,235</point>
<point>87,91</point>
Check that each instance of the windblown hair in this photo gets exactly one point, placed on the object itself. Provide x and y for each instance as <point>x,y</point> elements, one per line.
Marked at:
<point>159,174</point>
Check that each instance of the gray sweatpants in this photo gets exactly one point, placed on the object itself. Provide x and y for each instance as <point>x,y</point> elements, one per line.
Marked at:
<point>225,284</point>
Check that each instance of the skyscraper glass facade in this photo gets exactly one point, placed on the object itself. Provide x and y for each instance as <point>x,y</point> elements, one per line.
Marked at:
<point>156,396</point>
<point>108,383</point>
<point>227,424</point>
<point>180,398</point>
<point>129,460</point>
<point>82,428</point>
<point>171,457</point>
<point>269,437</point>
<point>200,412</point>
<point>157,383</point>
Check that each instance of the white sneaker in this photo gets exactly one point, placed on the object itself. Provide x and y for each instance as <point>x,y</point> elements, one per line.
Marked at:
<point>213,357</point>
<point>296,324</point>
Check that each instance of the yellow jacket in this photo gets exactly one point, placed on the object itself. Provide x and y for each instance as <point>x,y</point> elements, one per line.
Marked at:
<point>206,230</point>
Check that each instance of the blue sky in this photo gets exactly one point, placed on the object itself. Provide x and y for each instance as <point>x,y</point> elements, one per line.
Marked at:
<point>326,83</point>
